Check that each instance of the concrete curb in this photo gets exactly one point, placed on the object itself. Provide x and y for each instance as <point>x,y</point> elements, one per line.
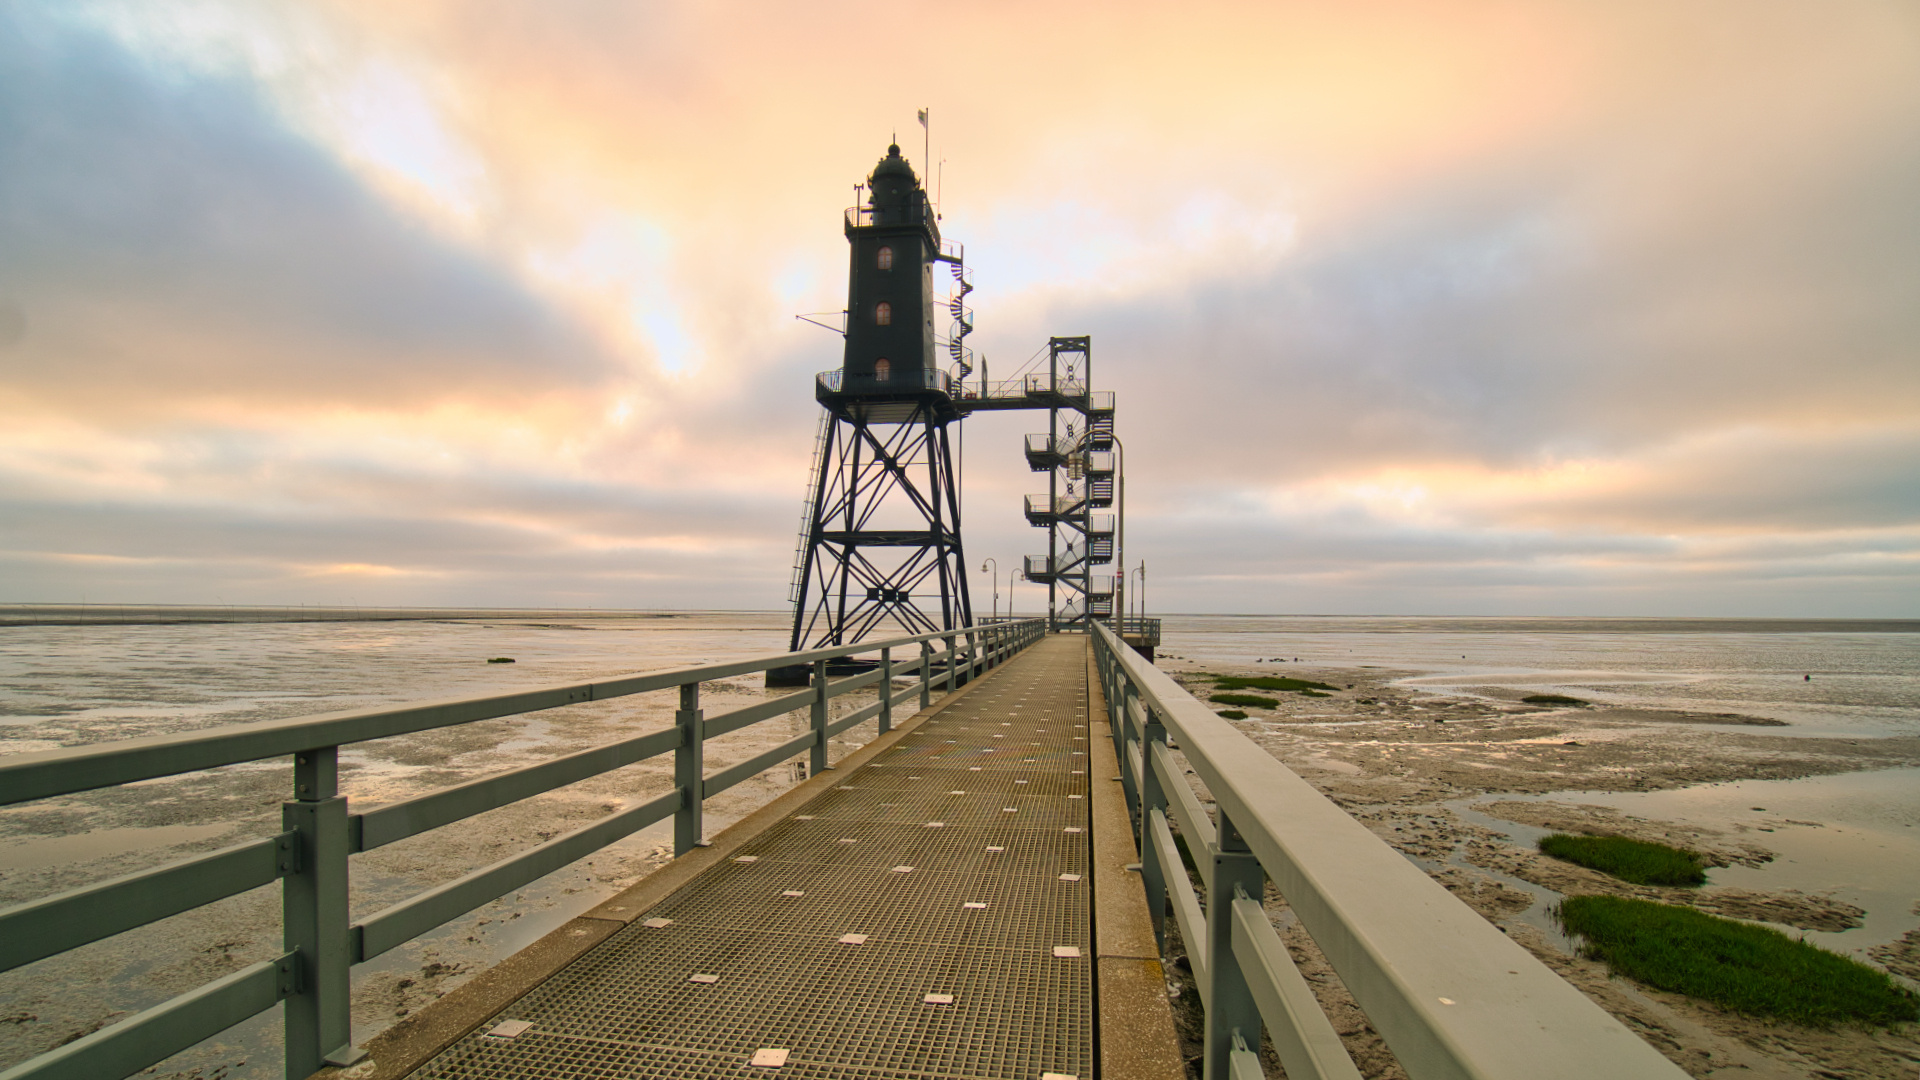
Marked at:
<point>1134,1032</point>
<point>414,1041</point>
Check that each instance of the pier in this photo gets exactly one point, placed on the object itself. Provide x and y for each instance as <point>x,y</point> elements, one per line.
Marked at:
<point>988,889</point>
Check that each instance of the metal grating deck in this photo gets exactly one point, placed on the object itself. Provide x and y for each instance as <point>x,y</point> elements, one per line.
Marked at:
<point>958,863</point>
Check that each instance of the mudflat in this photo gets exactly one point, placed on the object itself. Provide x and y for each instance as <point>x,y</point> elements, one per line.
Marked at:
<point>1461,783</point>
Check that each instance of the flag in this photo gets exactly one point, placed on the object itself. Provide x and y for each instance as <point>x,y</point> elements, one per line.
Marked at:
<point>923,118</point>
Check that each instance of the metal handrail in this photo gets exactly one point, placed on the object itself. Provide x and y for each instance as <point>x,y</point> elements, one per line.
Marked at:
<point>310,856</point>
<point>906,380</point>
<point>1452,996</point>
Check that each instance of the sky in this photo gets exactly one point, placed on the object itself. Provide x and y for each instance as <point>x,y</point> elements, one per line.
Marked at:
<point>1476,307</point>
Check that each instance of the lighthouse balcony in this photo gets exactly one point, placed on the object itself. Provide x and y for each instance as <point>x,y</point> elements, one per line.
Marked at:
<point>904,396</point>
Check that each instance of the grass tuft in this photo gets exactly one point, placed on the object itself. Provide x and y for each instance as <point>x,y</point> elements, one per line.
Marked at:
<point>1637,861</point>
<point>1233,714</point>
<point>1750,969</point>
<point>501,660</point>
<point>1254,700</point>
<point>1553,699</point>
<point>1267,682</point>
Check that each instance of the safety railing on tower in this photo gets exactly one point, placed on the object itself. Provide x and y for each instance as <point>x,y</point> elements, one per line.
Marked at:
<point>1452,996</point>
<point>310,856</point>
<point>902,381</point>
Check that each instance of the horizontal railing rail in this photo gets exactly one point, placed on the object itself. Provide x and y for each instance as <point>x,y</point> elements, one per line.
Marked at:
<point>310,856</point>
<point>1452,996</point>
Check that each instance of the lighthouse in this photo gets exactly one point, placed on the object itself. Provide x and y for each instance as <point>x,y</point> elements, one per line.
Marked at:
<point>879,547</point>
<point>893,242</point>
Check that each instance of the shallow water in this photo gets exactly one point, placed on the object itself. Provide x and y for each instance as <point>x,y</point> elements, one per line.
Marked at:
<point>1863,683</point>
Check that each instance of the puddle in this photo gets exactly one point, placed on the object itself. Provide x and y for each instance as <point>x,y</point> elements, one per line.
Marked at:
<point>1548,678</point>
<point>1854,836</point>
<point>100,844</point>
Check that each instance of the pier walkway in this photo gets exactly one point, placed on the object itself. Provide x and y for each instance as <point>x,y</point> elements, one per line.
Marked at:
<point>927,915</point>
<point>986,890</point>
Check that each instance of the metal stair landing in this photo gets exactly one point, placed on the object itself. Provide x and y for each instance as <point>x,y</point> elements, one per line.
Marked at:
<point>928,917</point>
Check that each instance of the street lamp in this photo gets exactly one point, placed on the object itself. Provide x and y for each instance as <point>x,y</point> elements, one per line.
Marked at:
<point>996,584</point>
<point>1120,554</point>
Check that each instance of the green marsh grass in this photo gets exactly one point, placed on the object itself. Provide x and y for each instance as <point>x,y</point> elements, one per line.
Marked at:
<point>1637,861</point>
<point>1254,700</point>
<point>1233,714</point>
<point>1749,969</point>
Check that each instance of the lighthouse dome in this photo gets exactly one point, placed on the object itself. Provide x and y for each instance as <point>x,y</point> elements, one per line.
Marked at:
<point>892,167</point>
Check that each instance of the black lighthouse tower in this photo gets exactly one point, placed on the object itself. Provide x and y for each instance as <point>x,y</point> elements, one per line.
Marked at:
<point>880,536</point>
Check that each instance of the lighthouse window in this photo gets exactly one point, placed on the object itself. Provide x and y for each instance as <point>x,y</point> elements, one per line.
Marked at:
<point>883,314</point>
<point>885,259</point>
<point>882,370</point>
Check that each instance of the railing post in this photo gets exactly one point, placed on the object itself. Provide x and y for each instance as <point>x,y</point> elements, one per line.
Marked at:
<point>689,772</point>
<point>886,690</point>
<point>1231,1010</point>
<point>313,908</point>
<point>953,663</point>
<point>1133,784</point>
<point>926,675</point>
<point>817,757</point>
<point>1147,797</point>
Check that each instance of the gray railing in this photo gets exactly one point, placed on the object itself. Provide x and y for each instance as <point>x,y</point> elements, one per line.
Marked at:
<point>905,380</point>
<point>310,856</point>
<point>1452,996</point>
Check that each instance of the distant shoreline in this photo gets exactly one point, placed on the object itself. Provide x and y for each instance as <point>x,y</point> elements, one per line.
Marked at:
<point>175,614</point>
<point>18,614</point>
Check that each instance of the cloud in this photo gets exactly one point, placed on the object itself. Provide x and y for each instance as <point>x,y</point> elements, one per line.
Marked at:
<point>167,238</point>
<point>1421,307</point>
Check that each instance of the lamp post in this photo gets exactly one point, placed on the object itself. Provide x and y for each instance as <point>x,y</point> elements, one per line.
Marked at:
<point>1120,552</point>
<point>996,584</point>
<point>1011,574</point>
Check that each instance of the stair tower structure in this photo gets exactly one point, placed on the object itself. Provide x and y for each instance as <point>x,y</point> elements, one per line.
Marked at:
<point>879,542</point>
<point>1076,453</point>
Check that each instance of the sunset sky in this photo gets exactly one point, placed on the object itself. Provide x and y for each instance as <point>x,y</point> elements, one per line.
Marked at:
<point>1461,307</point>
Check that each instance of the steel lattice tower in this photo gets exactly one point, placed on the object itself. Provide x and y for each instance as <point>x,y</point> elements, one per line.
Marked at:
<point>880,536</point>
<point>1076,453</point>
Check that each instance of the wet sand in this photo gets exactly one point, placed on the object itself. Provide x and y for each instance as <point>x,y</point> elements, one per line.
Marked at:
<point>1463,778</point>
